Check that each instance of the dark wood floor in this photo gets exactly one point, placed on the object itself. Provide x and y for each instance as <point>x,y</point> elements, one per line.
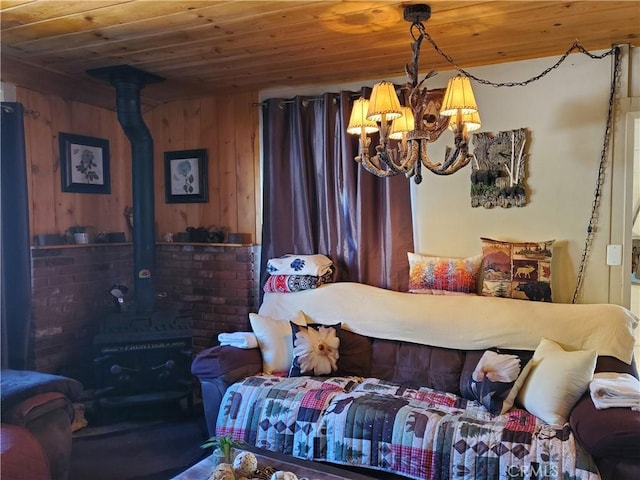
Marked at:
<point>154,442</point>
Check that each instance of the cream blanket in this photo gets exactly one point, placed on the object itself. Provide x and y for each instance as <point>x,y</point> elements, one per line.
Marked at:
<point>463,322</point>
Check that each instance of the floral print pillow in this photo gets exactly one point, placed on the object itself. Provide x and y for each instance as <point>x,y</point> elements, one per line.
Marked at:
<point>315,350</point>
<point>496,380</point>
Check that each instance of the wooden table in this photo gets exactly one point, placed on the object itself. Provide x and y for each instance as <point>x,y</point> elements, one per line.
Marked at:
<point>304,469</point>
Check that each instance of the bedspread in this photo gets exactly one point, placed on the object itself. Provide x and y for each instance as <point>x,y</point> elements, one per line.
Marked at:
<point>453,319</point>
<point>417,432</point>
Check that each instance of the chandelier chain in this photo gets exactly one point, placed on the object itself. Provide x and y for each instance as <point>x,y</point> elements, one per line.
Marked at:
<point>576,46</point>
<point>602,167</point>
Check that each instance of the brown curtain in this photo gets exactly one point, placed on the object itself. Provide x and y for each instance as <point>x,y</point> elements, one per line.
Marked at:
<point>317,199</point>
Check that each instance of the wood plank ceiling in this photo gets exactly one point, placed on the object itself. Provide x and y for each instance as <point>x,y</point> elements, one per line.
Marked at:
<point>219,47</point>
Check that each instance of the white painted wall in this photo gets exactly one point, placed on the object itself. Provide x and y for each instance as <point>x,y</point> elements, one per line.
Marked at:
<point>635,229</point>
<point>565,113</point>
<point>7,92</point>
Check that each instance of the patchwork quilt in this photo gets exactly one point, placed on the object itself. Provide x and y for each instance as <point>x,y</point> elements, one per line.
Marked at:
<point>416,432</point>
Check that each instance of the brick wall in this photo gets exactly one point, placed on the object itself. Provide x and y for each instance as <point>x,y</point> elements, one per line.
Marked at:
<point>70,287</point>
<point>217,283</point>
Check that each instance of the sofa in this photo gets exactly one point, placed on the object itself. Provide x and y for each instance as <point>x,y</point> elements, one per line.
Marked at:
<point>404,396</point>
<point>37,413</point>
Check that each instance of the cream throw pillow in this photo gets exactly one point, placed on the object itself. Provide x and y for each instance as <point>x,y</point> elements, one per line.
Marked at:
<point>275,340</point>
<point>556,381</point>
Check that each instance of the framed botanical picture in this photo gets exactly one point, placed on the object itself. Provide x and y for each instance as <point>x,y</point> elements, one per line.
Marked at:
<point>84,164</point>
<point>185,176</point>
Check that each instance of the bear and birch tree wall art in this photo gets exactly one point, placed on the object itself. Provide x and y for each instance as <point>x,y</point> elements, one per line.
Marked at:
<point>497,171</point>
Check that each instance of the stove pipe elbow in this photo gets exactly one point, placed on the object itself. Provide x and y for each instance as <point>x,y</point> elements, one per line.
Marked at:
<point>128,81</point>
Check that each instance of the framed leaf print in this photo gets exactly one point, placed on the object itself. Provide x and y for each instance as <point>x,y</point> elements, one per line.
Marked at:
<point>185,173</point>
<point>84,164</point>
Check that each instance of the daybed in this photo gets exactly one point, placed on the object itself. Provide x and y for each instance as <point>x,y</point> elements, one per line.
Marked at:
<point>402,399</point>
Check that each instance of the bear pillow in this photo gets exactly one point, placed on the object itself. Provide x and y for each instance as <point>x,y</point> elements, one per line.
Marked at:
<point>519,270</point>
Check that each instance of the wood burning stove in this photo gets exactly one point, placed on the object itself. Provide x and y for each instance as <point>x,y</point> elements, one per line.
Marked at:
<point>141,359</point>
<point>142,354</point>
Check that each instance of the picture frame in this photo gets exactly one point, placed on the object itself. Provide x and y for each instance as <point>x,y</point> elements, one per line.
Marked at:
<point>84,164</point>
<point>185,176</point>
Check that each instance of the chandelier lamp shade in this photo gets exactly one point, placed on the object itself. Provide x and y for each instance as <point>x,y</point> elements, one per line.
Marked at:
<point>405,128</point>
<point>470,121</point>
<point>402,125</point>
<point>358,122</point>
<point>383,104</point>
<point>459,98</point>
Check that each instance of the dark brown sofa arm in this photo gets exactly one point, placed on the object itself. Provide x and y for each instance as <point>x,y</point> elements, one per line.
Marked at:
<point>611,435</point>
<point>609,432</point>
<point>217,368</point>
<point>228,363</point>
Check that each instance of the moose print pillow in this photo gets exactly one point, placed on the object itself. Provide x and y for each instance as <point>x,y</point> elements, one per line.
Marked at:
<point>519,270</point>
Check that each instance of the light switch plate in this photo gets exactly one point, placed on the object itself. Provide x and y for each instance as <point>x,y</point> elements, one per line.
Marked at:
<point>614,255</point>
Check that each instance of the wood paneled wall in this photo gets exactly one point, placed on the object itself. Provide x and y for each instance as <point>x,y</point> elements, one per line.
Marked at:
<point>51,210</point>
<point>226,126</point>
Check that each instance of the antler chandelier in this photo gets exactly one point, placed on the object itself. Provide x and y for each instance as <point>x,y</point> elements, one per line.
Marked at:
<point>426,114</point>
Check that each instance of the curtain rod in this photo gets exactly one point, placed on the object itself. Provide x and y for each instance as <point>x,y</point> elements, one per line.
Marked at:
<point>284,102</point>
<point>310,99</point>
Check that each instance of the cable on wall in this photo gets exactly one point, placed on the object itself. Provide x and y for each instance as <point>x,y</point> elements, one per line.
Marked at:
<point>602,167</point>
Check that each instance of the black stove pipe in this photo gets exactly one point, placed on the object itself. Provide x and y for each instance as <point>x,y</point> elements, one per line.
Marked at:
<point>128,81</point>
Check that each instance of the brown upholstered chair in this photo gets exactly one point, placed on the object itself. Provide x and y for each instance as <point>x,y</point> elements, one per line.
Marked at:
<point>23,457</point>
<point>40,406</point>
